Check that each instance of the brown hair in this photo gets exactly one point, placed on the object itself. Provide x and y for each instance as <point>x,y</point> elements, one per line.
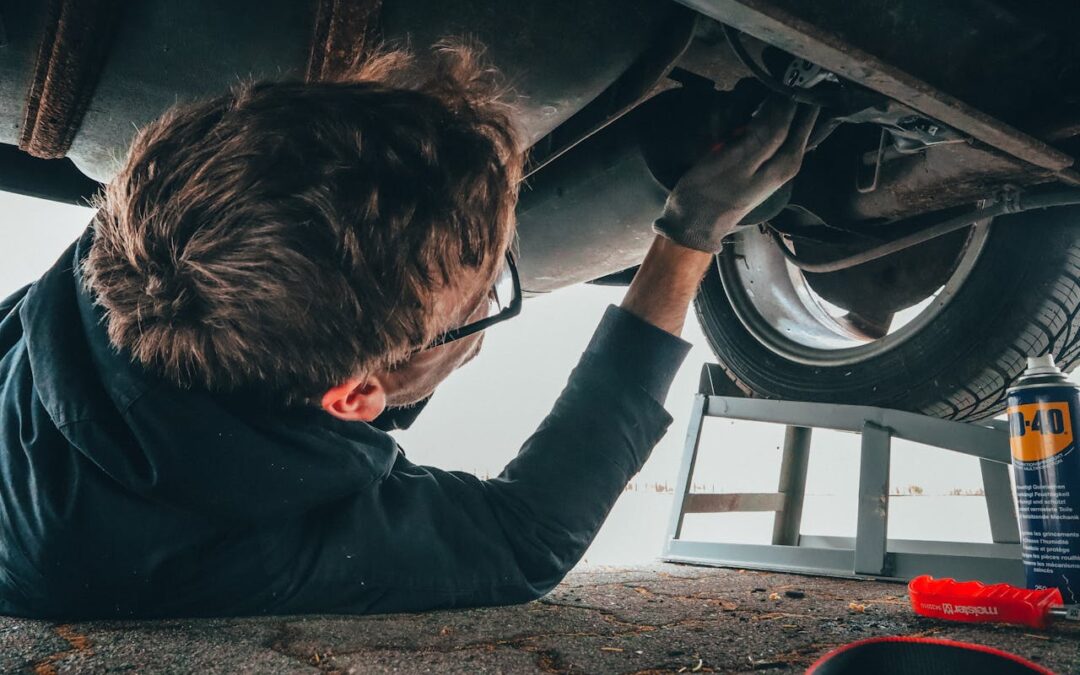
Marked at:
<point>287,236</point>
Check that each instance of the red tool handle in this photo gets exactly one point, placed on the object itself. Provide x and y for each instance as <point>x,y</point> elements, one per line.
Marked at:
<point>975,602</point>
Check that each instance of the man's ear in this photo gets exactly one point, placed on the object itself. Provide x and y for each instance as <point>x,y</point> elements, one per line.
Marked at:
<point>356,400</point>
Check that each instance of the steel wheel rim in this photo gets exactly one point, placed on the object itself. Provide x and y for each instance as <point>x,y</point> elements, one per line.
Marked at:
<point>772,300</point>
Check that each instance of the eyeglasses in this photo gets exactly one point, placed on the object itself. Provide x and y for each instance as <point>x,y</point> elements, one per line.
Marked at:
<point>504,302</point>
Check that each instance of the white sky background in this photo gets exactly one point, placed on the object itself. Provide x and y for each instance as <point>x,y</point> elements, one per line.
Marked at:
<point>480,416</point>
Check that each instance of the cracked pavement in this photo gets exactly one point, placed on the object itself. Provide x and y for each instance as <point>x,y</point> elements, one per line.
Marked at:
<point>658,619</point>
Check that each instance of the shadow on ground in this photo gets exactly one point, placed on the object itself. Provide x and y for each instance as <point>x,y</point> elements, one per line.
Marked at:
<point>660,619</point>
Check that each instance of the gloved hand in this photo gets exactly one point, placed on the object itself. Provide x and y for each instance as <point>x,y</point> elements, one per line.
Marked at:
<point>717,192</point>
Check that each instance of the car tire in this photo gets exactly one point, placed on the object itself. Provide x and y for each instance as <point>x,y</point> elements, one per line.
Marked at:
<point>1021,298</point>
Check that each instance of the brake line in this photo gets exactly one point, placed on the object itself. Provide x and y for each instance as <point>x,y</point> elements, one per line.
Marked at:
<point>1010,202</point>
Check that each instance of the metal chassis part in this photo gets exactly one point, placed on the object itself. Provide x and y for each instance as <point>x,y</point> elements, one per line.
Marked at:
<point>772,22</point>
<point>870,553</point>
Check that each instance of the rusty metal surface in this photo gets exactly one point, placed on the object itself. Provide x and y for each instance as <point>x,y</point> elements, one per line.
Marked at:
<point>557,56</point>
<point>342,34</point>
<point>939,178</point>
<point>776,22</point>
<point>70,54</point>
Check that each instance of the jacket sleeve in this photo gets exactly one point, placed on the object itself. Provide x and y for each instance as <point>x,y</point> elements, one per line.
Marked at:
<point>424,538</point>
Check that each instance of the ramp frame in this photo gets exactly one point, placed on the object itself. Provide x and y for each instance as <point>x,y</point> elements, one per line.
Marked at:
<point>869,553</point>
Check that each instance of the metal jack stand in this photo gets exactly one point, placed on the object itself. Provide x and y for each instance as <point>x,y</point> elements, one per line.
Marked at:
<point>870,553</point>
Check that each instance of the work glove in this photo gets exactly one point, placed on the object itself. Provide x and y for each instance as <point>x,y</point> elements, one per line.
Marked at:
<point>737,175</point>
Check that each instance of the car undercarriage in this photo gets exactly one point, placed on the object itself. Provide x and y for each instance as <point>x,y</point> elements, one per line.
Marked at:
<point>914,262</point>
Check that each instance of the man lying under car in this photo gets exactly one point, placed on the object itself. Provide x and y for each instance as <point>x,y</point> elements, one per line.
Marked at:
<point>195,399</point>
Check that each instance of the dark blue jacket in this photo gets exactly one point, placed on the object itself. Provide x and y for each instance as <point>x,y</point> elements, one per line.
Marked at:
<point>124,496</point>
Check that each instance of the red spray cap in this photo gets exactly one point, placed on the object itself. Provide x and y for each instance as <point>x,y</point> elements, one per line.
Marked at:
<point>976,602</point>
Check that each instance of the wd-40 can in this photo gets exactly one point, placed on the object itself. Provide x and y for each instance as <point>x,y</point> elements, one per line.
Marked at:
<point>1043,409</point>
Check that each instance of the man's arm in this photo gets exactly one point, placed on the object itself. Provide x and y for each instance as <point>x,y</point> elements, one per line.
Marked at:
<point>424,538</point>
<point>665,284</point>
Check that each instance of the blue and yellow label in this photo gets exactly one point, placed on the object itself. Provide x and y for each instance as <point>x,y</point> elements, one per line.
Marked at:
<point>1046,465</point>
<point>1039,430</point>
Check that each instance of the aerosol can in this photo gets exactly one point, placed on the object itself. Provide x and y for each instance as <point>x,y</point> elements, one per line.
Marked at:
<point>1043,410</point>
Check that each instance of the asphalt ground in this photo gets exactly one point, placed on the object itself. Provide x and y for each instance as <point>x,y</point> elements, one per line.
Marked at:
<point>659,619</point>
